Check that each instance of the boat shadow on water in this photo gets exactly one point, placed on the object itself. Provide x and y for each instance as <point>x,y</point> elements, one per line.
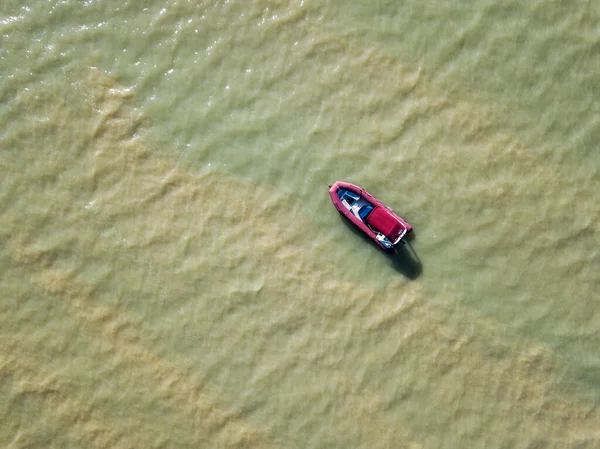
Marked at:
<point>403,258</point>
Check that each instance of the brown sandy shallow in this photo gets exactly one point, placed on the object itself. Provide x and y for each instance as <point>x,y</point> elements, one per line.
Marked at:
<point>116,258</point>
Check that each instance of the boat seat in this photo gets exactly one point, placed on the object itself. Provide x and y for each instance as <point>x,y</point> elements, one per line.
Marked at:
<point>347,195</point>
<point>383,220</point>
<point>365,211</point>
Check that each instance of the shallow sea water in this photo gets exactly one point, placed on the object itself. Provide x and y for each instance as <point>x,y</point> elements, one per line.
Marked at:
<point>174,275</point>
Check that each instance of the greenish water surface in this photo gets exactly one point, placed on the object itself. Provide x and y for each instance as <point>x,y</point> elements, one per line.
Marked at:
<point>174,275</point>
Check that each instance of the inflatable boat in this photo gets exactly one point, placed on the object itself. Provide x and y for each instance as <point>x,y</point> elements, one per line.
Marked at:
<point>369,214</point>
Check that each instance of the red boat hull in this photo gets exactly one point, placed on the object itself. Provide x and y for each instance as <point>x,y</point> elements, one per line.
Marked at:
<point>382,217</point>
